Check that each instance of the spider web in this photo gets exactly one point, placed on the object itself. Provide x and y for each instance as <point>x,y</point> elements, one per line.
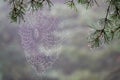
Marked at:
<point>40,40</point>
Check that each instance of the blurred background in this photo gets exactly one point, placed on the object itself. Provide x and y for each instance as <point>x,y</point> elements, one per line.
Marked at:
<point>77,60</point>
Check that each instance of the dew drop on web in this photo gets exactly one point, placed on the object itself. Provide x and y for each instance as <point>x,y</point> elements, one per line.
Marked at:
<point>36,33</point>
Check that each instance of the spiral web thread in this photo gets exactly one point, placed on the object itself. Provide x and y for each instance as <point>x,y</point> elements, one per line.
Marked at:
<point>39,40</point>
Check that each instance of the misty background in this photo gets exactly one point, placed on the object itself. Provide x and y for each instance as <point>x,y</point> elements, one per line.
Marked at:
<point>77,60</point>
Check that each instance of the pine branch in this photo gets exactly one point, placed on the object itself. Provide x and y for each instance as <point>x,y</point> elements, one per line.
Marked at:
<point>71,4</point>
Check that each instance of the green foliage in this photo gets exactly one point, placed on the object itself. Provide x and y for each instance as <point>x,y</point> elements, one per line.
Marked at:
<point>19,7</point>
<point>110,23</point>
<point>35,5</point>
<point>88,2</point>
<point>71,4</point>
<point>18,10</point>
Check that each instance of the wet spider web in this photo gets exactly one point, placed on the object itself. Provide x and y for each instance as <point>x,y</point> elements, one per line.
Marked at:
<point>39,39</point>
